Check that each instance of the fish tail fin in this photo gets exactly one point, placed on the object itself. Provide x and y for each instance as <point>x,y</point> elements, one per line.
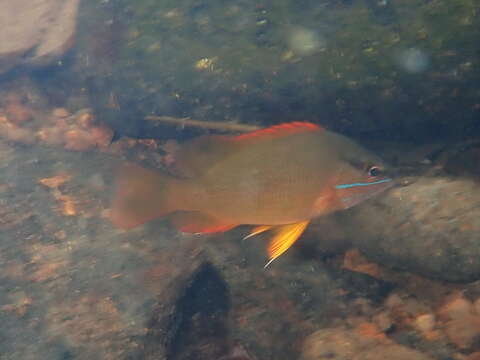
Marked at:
<point>140,195</point>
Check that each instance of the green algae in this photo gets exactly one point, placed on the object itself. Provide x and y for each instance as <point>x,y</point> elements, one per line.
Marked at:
<point>217,61</point>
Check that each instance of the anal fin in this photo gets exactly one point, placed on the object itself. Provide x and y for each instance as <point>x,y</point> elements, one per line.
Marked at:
<point>198,223</point>
<point>285,236</point>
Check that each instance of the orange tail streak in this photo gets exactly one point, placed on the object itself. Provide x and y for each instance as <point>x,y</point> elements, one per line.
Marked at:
<point>140,195</point>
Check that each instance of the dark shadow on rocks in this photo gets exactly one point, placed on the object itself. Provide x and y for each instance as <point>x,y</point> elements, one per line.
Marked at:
<point>361,285</point>
<point>194,324</point>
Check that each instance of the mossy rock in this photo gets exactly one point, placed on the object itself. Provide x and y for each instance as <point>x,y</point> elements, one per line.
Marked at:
<point>361,67</point>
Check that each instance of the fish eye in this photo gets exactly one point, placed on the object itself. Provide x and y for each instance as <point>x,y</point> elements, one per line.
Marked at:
<point>374,171</point>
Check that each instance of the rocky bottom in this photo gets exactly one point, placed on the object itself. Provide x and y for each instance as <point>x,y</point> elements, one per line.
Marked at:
<point>74,287</point>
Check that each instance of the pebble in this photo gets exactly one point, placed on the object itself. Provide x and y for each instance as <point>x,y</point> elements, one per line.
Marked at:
<point>393,300</point>
<point>461,323</point>
<point>60,112</point>
<point>457,308</point>
<point>425,322</point>
<point>346,344</point>
<point>463,333</point>
<point>85,119</point>
<point>78,140</point>
<point>383,320</point>
<point>17,113</point>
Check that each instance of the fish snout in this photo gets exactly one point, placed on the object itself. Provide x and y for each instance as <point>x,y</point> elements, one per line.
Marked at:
<point>354,193</point>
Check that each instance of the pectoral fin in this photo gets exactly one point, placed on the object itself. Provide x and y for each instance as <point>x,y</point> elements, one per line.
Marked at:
<point>285,236</point>
<point>258,230</point>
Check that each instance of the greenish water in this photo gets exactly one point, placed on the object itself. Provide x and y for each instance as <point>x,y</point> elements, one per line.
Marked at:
<point>396,276</point>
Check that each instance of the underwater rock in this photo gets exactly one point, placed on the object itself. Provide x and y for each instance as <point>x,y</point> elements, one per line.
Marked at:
<point>35,33</point>
<point>16,111</point>
<point>190,320</point>
<point>425,323</point>
<point>429,227</point>
<point>461,322</point>
<point>355,344</point>
<point>462,160</point>
<point>80,131</point>
<point>361,67</point>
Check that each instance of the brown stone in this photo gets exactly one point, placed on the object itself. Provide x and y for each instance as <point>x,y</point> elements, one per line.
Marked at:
<point>345,344</point>
<point>35,32</point>
<point>461,323</point>
<point>425,228</point>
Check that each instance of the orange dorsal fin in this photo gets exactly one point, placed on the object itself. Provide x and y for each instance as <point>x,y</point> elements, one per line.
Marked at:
<point>198,155</point>
<point>280,130</point>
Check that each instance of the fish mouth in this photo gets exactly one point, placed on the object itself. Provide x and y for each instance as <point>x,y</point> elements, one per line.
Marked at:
<point>373,189</point>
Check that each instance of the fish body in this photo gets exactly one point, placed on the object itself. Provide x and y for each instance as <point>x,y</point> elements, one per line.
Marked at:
<point>278,178</point>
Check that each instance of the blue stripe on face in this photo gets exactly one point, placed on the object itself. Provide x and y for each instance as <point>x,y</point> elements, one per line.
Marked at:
<point>347,186</point>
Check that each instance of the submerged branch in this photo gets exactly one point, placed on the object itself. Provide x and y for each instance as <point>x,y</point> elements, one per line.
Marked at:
<point>211,125</point>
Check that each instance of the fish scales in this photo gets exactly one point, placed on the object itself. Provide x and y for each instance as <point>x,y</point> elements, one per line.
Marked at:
<point>279,178</point>
<point>266,182</point>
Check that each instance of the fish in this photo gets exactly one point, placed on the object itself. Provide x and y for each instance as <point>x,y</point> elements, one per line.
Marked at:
<point>276,179</point>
